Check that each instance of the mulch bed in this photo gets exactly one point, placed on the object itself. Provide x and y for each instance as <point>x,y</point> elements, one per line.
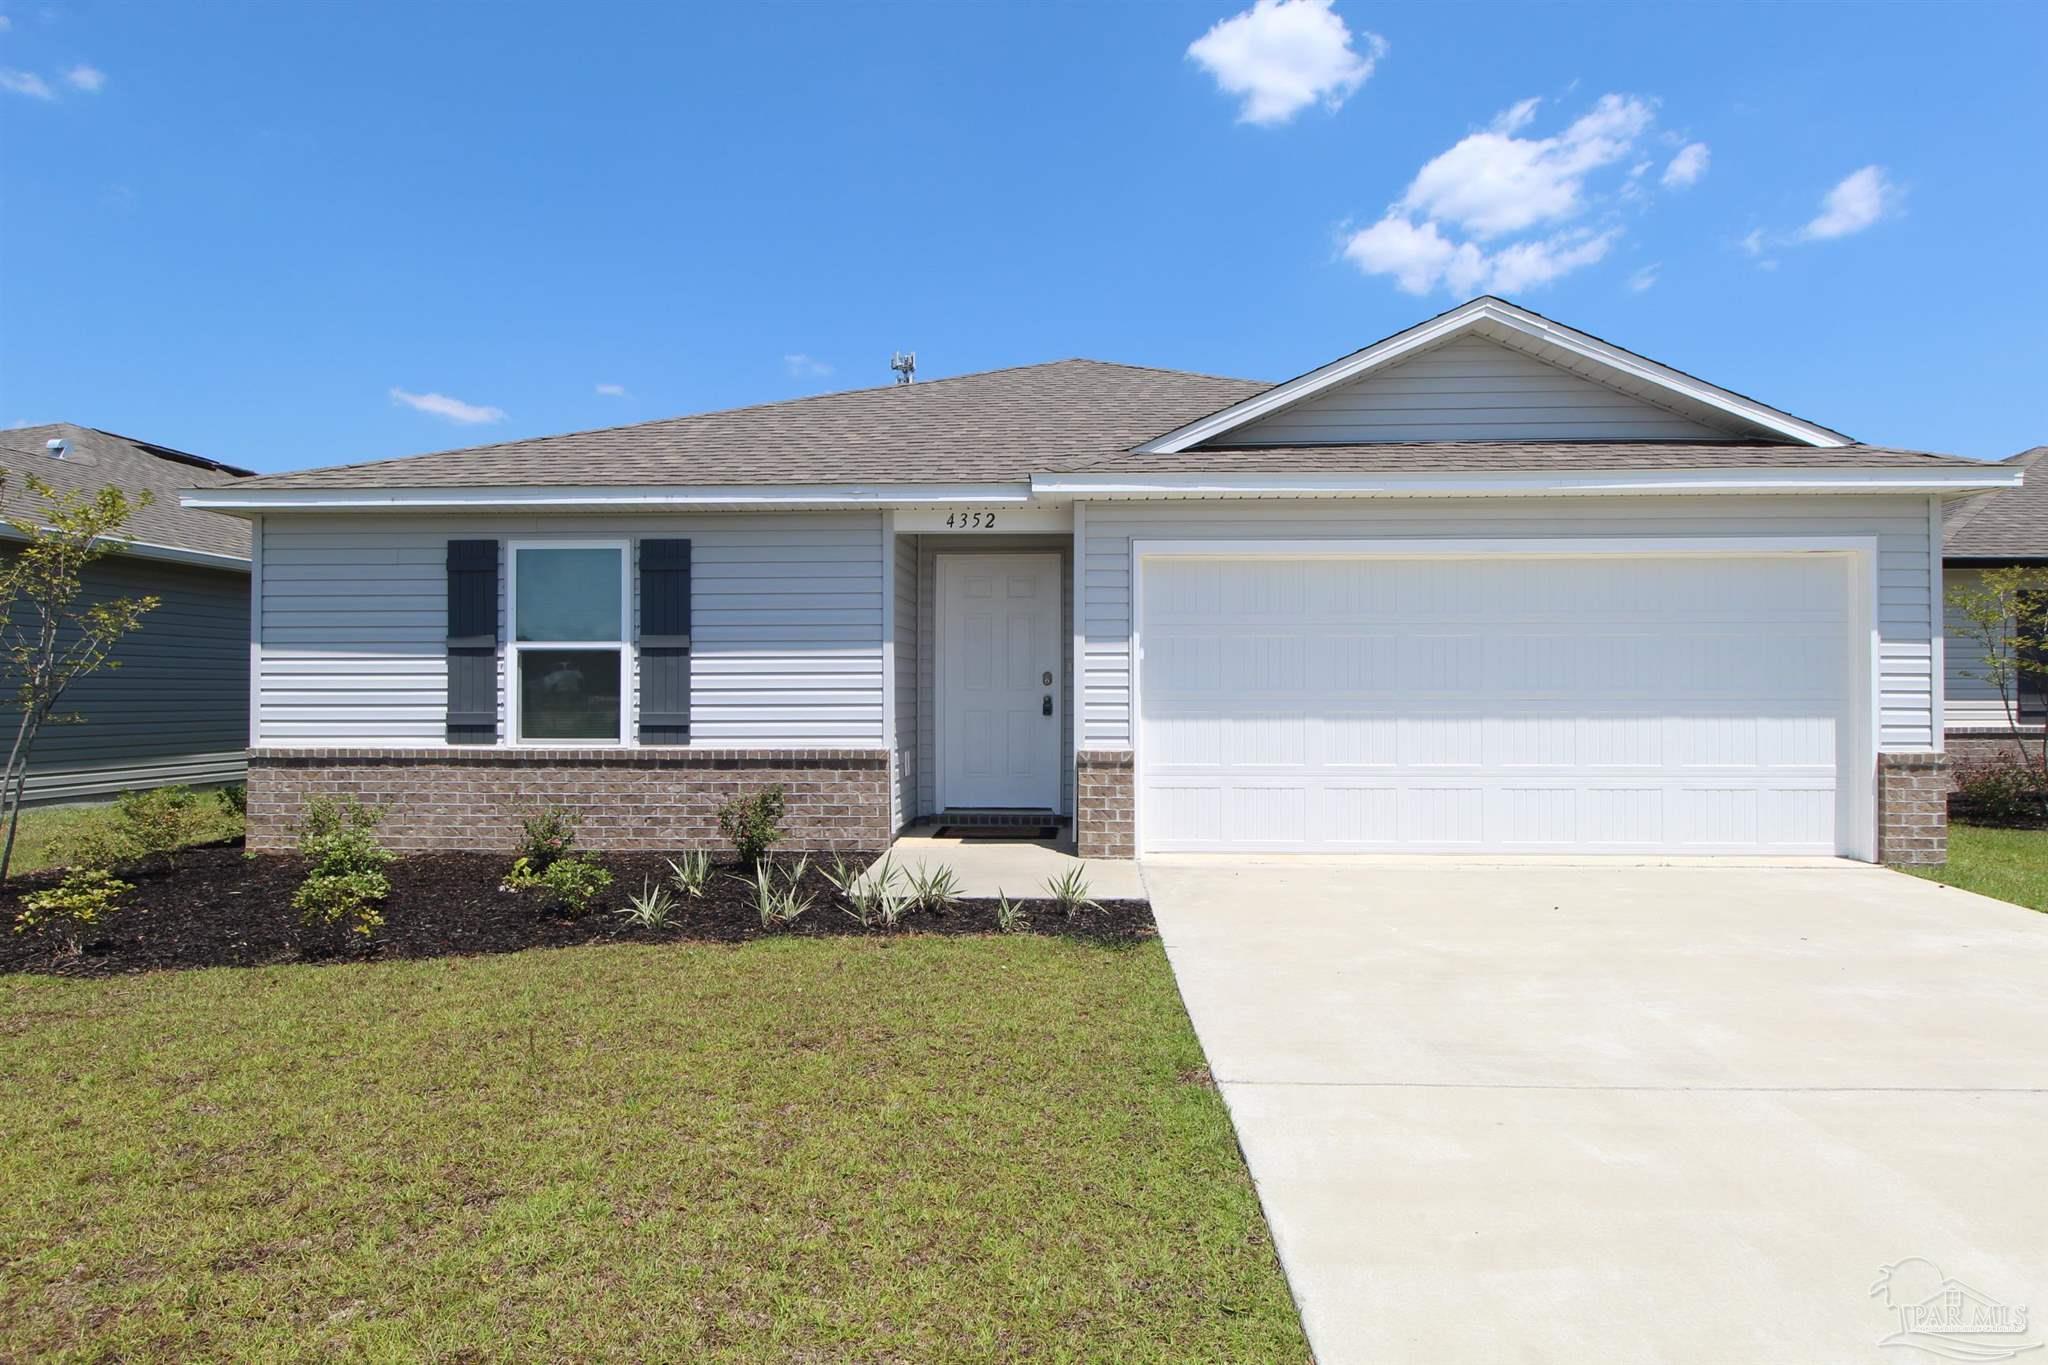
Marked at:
<point>218,907</point>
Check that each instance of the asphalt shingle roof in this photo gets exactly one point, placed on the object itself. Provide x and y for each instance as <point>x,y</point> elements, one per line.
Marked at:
<point>997,426</point>
<point>1002,426</point>
<point>2011,523</point>
<point>93,459</point>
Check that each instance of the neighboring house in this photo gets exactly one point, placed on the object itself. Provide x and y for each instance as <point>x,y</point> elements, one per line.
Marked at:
<point>177,709</point>
<point>1992,530</point>
<point>1488,585</point>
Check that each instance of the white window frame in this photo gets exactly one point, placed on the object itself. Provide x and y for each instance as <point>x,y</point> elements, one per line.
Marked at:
<point>515,647</point>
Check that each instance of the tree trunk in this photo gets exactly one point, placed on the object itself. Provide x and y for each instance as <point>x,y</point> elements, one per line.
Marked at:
<point>17,758</point>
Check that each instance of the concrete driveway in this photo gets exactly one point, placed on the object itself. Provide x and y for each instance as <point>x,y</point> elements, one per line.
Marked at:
<point>1542,1112</point>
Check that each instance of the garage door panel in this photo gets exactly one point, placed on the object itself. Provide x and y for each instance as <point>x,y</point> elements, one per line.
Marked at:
<point>1680,704</point>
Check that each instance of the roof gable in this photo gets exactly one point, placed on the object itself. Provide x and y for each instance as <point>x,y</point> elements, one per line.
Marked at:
<point>1598,366</point>
<point>1473,388</point>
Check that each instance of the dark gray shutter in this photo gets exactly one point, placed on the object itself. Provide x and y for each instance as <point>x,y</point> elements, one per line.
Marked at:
<point>472,642</point>
<point>664,642</point>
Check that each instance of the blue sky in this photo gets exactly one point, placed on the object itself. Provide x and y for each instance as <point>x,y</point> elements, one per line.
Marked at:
<point>279,234</point>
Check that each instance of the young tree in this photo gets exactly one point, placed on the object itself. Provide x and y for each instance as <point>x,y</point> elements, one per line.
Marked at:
<point>49,636</point>
<point>2004,613</point>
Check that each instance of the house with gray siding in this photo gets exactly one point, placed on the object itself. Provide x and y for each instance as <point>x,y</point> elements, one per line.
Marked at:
<point>177,709</point>
<point>1488,585</point>
<point>1991,531</point>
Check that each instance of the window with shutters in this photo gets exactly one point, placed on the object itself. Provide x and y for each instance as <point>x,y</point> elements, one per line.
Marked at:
<point>568,606</point>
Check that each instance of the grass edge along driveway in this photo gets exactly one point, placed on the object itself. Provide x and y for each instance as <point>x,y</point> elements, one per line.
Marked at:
<point>906,1149</point>
<point>2006,864</point>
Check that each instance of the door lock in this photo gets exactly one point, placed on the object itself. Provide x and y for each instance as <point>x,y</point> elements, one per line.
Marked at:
<point>1045,705</point>
<point>1045,679</point>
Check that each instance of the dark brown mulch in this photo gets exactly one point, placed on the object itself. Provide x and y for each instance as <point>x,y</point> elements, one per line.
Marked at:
<point>221,908</point>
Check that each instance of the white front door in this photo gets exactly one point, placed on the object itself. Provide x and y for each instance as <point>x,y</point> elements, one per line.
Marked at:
<point>999,680</point>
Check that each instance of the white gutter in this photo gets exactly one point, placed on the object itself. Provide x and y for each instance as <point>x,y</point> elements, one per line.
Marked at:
<point>174,554</point>
<point>1945,479</point>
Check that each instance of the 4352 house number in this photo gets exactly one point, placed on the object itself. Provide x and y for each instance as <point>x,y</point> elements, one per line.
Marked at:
<point>970,521</point>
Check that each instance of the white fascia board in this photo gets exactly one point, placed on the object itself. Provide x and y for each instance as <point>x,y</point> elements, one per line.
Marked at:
<point>1549,482</point>
<point>1466,318</point>
<point>229,498</point>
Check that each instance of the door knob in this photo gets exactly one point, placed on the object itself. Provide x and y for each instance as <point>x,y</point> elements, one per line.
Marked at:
<point>1045,705</point>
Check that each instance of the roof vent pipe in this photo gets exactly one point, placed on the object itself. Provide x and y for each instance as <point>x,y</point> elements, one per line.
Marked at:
<point>57,447</point>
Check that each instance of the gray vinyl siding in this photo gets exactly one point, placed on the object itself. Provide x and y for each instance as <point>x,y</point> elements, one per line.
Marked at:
<point>1471,389</point>
<point>929,548</point>
<point>1900,524</point>
<point>904,583</point>
<point>176,710</point>
<point>1972,703</point>
<point>786,625</point>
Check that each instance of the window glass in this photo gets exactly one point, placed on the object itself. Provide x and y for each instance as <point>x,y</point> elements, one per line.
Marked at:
<point>566,594</point>
<point>569,693</point>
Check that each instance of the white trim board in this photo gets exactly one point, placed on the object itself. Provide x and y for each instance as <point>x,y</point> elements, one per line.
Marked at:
<point>1858,833</point>
<point>1487,316</point>
<point>231,499</point>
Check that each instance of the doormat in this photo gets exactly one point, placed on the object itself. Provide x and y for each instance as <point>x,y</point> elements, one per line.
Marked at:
<point>997,833</point>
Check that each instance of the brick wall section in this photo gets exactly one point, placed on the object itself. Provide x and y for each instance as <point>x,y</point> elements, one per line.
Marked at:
<point>1974,749</point>
<point>1106,797</point>
<point>628,799</point>
<point>1912,808</point>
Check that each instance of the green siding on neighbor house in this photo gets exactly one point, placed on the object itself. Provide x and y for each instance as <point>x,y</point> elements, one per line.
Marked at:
<point>176,711</point>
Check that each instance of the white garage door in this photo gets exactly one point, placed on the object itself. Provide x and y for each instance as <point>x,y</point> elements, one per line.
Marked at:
<point>1684,705</point>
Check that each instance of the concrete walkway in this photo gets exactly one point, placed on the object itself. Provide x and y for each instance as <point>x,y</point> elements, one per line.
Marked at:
<point>1642,1114</point>
<point>1018,870</point>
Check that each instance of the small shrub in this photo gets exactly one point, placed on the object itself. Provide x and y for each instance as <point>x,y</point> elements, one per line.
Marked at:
<point>160,820</point>
<point>546,837</point>
<point>67,911</point>
<point>571,884</point>
<point>780,901</point>
<point>932,889</point>
<point>2001,794</point>
<point>1070,893</point>
<point>691,876</point>
<point>653,908</point>
<point>1010,916</point>
<point>234,799</point>
<point>752,824</point>
<point>346,882</point>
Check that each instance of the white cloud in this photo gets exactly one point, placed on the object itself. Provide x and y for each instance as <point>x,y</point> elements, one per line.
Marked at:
<point>26,83</point>
<point>611,390</point>
<point>5,23</point>
<point>1753,242</point>
<point>1420,257</point>
<point>1688,166</point>
<point>1858,200</point>
<point>90,79</point>
<point>1494,182</point>
<point>1643,278</point>
<point>454,409</point>
<point>1280,56</point>
<point>805,367</point>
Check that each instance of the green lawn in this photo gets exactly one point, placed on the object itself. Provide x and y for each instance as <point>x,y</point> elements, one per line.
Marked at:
<point>846,1149</point>
<point>2011,864</point>
<point>46,829</point>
